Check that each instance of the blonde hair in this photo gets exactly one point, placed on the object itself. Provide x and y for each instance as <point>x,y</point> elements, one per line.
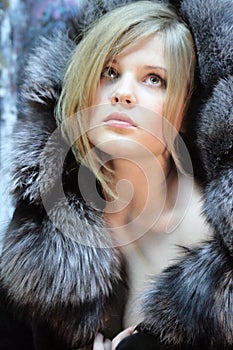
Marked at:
<point>102,42</point>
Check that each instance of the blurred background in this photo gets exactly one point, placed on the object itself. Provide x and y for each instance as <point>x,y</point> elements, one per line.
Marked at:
<point>22,22</point>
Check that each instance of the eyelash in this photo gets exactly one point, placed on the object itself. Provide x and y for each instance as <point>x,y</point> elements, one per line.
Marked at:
<point>106,74</point>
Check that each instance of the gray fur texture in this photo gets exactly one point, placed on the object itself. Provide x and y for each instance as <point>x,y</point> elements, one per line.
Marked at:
<point>59,266</point>
<point>191,302</point>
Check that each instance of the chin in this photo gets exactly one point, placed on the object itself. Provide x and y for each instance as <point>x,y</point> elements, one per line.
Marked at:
<point>126,143</point>
<point>120,148</point>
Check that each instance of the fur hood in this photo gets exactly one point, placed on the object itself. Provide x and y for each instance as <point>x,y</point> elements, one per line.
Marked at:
<point>69,275</point>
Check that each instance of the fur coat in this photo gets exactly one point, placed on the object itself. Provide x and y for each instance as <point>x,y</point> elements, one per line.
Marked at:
<point>60,283</point>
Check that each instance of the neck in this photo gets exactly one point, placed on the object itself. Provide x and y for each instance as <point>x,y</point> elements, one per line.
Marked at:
<point>143,197</point>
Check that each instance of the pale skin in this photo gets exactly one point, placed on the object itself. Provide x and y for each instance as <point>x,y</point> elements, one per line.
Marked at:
<point>134,84</point>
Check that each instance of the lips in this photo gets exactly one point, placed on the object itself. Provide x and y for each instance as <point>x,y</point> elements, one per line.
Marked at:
<point>120,120</point>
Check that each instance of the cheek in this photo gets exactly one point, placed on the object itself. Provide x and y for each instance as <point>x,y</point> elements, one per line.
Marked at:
<point>151,119</point>
<point>92,135</point>
<point>153,102</point>
<point>102,95</point>
<point>154,126</point>
<point>158,103</point>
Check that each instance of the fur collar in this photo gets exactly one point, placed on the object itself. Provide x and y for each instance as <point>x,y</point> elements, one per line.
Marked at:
<point>68,275</point>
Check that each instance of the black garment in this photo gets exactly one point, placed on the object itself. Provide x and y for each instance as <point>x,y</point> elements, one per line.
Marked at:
<point>147,341</point>
<point>13,334</point>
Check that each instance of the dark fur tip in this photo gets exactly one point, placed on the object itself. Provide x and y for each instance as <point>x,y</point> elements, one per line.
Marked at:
<point>191,302</point>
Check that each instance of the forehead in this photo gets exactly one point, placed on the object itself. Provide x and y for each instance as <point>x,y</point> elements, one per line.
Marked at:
<point>148,50</point>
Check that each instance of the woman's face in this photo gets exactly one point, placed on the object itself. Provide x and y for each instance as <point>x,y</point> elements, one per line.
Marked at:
<point>129,101</point>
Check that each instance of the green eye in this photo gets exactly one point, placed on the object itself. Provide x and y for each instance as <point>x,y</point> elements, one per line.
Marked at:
<point>156,80</point>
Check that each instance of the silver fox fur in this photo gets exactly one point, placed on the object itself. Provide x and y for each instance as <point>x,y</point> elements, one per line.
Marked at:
<point>68,277</point>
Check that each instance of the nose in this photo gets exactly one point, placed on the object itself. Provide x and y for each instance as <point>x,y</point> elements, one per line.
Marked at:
<point>124,94</point>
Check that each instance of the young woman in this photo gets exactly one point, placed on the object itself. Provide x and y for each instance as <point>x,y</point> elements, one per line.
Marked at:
<point>127,88</point>
<point>122,106</point>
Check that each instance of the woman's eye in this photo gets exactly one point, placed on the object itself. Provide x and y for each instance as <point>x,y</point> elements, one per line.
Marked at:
<point>110,73</point>
<point>155,80</point>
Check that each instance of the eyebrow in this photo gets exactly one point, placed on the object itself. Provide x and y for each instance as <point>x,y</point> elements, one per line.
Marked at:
<point>155,67</point>
<point>145,67</point>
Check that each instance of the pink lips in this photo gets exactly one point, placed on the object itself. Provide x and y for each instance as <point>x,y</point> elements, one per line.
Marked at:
<point>119,120</point>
